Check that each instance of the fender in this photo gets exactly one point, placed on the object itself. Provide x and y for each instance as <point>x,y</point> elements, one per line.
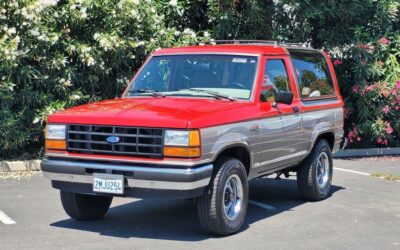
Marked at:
<point>229,140</point>
<point>319,132</point>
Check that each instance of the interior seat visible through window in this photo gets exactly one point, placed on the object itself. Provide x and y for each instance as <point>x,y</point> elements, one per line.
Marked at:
<point>313,75</point>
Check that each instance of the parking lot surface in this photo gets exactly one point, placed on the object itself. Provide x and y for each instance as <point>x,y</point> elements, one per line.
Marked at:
<point>363,212</point>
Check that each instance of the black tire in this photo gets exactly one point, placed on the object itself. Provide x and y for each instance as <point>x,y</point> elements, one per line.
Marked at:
<point>85,207</point>
<point>307,173</point>
<point>210,206</point>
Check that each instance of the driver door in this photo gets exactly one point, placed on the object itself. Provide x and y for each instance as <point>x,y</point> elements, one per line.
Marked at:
<point>280,127</point>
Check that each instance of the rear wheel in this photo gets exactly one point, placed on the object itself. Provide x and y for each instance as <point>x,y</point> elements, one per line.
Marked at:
<point>85,207</point>
<point>222,209</point>
<point>314,175</point>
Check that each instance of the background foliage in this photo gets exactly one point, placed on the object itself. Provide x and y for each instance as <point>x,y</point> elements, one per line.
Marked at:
<point>55,54</point>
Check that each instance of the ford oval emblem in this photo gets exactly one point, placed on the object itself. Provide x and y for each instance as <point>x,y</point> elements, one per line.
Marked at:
<point>113,139</point>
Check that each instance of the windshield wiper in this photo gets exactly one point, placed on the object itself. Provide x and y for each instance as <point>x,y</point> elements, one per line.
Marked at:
<point>213,93</point>
<point>150,91</point>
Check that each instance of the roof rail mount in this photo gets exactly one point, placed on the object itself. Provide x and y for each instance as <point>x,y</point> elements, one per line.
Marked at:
<point>260,42</point>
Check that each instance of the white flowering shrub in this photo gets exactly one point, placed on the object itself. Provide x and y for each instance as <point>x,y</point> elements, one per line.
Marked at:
<point>55,54</point>
<point>59,53</point>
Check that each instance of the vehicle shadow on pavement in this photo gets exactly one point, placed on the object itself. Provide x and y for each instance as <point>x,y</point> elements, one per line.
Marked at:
<point>177,219</point>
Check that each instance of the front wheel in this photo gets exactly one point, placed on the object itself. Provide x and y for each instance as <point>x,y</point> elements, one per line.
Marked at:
<point>85,207</point>
<point>314,175</point>
<point>222,209</point>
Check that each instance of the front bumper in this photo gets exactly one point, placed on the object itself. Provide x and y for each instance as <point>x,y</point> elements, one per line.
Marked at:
<point>174,180</point>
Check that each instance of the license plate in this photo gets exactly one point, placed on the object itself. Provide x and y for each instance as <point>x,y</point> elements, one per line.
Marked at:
<point>108,183</point>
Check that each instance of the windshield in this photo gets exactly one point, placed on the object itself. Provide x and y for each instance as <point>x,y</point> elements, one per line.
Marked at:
<point>214,76</point>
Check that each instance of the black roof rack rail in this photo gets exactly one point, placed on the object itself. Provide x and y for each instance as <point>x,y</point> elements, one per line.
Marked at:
<point>260,42</point>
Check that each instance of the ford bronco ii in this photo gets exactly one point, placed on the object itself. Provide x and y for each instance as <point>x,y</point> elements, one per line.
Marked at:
<point>198,123</point>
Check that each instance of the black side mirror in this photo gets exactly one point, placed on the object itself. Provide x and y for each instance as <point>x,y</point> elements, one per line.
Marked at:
<point>284,97</point>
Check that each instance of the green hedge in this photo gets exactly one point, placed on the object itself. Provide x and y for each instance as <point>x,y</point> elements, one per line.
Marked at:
<point>56,54</point>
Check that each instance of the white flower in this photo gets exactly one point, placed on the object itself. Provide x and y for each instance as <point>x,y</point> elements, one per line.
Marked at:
<point>36,120</point>
<point>42,37</point>
<point>11,31</point>
<point>134,13</point>
<point>75,97</point>
<point>54,39</point>
<point>83,13</point>
<point>46,3</point>
<point>173,3</point>
<point>189,32</point>
<point>86,49</point>
<point>206,34</point>
<point>90,61</point>
<point>96,36</point>
<point>35,32</point>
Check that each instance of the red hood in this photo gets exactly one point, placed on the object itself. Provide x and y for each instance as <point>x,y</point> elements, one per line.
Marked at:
<point>166,112</point>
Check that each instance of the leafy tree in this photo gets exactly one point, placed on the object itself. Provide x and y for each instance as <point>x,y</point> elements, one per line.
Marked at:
<point>55,54</point>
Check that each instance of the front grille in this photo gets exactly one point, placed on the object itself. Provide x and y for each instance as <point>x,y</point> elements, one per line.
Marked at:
<point>133,141</point>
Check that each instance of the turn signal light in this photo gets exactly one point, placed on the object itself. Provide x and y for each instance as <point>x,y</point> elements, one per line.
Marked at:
<point>194,138</point>
<point>56,144</point>
<point>182,152</point>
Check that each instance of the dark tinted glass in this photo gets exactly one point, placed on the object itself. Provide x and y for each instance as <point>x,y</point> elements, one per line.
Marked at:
<point>312,74</point>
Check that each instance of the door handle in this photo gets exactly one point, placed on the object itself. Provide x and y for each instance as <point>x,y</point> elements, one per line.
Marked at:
<point>296,109</point>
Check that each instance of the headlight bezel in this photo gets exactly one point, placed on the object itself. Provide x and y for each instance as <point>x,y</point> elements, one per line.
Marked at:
<point>182,143</point>
<point>181,138</point>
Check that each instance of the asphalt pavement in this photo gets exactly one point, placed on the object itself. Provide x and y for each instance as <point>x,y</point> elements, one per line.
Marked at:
<point>363,212</point>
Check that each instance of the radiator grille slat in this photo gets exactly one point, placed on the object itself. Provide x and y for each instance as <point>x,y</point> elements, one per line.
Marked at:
<point>134,141</point>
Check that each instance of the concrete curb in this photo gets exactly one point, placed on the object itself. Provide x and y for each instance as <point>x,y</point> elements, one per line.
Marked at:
<point>34,165</point>
<point>371,152</point>
<point>30,165</point>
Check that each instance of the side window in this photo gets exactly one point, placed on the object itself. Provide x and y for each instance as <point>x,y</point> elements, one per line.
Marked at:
<point>313,75</point>
<point>275,79</point>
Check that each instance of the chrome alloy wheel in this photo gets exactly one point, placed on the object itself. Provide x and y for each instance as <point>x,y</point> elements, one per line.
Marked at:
<point>233,197</point>
<point>322,171</point>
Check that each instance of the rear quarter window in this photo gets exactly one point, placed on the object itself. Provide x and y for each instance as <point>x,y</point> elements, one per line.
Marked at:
<point>313,76</point>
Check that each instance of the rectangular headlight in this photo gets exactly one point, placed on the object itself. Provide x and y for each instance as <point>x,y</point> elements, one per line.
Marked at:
<point>182,143</point>
<point>182,138</point>
<point>55,132</point>
<point>176,138</point>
